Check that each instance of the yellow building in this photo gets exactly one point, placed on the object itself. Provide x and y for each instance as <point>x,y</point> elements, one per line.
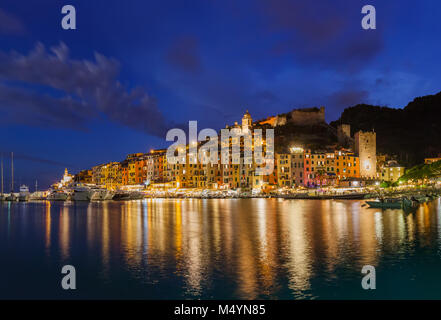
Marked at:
<point>112,175</point>
<point>391,171</point>
<point>284,172</point>
<point>431,160</point>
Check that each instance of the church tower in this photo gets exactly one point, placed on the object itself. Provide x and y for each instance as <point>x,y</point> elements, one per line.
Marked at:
<point>247,121</point>
<point>366,147</point>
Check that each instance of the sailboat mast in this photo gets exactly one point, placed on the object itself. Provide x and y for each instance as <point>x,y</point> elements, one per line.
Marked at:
<point>12,172</point>
<point>2,175</point>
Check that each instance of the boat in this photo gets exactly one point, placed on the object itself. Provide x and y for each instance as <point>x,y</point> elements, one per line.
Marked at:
<point>98,194</point>
<point>137,195</point>
<point>24,193</point>
<point>121,195</point>
<point>37,195</point>
<point>12,196</point>
<point>81,193</point>
<point>128,195</point>
<point>109,195</point>
<point>421,198</point>
<point>57,195</point>
<point>392,203</point>
<point>2,195</point>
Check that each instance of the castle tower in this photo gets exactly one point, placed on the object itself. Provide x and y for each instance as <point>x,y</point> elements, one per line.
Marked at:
<point>247,121</point>
<point>366,147</point>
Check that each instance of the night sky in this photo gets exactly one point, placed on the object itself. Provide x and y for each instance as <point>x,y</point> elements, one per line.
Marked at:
<point>132,69</point>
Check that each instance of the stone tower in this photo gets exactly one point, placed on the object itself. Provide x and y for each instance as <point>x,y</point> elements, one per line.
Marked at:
<point>247,121</point>
<point>366,147</point>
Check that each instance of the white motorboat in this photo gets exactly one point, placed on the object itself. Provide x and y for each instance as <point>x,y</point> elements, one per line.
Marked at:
<point>137,195</point>
<point>24,193</point>
<point>109,195</point>
<point>98,194</point>
<point>12,197</point>
<point>82,193</point>
<point>57,195</point>
<point>122,195</point>
<point>37,195</point>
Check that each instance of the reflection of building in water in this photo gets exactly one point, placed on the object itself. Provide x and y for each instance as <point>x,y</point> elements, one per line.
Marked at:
<point>105,239</point>
<point>246,248</point>
<point>48,227</point>
<point>131,234</point>
<point>256,241</point>
<point>367,228</point>
<point>64,233</point>
<point>297,246</point>
<point>334,232</point>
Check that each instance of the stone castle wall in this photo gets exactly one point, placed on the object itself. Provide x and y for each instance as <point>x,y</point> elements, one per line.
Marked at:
<point>301,117</point>
<point>308,116</point>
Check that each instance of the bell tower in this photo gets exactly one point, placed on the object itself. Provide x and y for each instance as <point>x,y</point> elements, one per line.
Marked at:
<point>247,121</point>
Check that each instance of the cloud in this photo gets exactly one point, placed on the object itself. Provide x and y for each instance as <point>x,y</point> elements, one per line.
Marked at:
<point>23,107</point>
<point>52,89</point>
<point>321,32</point>
<point>184,54</point>
<point>21,156</point>
<point>9,24</point>
<point>347,98</point>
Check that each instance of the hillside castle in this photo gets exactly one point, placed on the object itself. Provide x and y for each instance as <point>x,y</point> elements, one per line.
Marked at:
<point>301,117</point>
<point>352,162</point>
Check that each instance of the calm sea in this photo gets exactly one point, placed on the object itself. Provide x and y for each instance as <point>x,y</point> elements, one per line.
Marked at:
<point>219,249</point>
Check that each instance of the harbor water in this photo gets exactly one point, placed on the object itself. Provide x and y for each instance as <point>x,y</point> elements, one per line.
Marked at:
<point>219,249</point>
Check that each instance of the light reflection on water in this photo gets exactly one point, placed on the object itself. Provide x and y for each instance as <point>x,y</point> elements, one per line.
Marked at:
<point>219,248</point>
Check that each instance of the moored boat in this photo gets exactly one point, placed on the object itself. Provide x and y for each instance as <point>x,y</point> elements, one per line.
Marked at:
<point>37,195</point>
<point>24,193</point>
<point>109,195</point>
<point>12,197</point>
<point>98,194</point>
<point>121,195</point>
<point>137,195</point>
<point>81,193</point>
<point>392,203</point>
<point>57,195</point>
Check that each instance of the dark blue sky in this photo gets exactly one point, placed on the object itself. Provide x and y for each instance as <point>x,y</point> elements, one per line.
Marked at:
<point>81,97</point>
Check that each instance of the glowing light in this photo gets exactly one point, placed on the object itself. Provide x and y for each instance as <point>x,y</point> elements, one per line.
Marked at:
<point>296,149</point>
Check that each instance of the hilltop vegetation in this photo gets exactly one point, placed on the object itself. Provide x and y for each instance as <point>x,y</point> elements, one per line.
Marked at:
<point>422,171</point>
<point>412,133</point>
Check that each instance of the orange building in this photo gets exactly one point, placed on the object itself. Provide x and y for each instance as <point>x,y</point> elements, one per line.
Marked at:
<point>347,165</point>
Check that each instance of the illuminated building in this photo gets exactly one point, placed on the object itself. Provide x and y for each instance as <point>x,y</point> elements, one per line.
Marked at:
<point>366,148</point>
<point>391,171</point>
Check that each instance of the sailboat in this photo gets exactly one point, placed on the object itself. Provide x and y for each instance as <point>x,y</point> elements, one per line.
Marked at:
<point>37,195</point>
<point>12,196</point>
<point>2,196</point>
